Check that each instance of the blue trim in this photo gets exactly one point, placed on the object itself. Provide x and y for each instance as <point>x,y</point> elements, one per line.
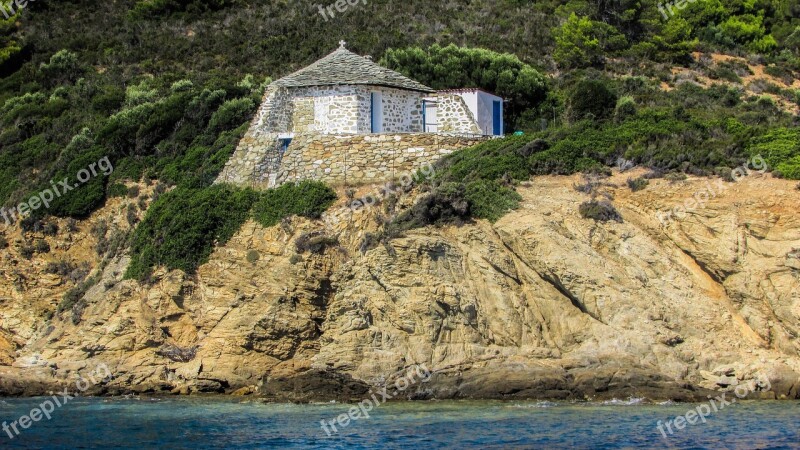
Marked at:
<point>497,118</point>
<point>424,116</point>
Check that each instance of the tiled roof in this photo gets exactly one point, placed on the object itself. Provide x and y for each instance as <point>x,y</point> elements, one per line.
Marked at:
<point>344,67</point>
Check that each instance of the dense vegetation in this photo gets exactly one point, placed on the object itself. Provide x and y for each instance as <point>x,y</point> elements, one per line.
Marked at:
<point>165,88</point>
<point>522,86</point>
<point>307,198</point>
<point>183,226</point>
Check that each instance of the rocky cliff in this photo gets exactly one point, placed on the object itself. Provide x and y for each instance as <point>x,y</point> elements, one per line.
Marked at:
<point>541,304</point>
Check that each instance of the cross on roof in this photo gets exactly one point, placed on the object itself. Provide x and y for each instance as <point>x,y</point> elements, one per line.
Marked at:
<point>342,43</point>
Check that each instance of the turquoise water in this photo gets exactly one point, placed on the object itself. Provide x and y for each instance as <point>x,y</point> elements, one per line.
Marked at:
<point>225,423</point>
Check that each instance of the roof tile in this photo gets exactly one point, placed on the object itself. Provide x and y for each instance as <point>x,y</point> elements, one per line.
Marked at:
<point>344,67</point>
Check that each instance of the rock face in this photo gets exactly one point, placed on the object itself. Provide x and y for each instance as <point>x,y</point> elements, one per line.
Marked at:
<point>541,304</point>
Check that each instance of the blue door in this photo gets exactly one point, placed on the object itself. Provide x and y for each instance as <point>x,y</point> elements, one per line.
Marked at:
<point>497,118</point>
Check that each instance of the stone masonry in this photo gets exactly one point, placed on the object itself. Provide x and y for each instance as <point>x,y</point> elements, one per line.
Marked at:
<point>366,158</point>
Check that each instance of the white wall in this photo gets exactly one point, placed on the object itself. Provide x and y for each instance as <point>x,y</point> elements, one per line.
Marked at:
<point>481,106</point>
<point>485,112</point>
<point>402,109</point>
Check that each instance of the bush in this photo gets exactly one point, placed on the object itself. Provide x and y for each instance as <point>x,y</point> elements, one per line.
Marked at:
<point>637,184</point>
<point>133,191</point>
<point>315,242</point>
<point>490,200</point>
<point>50,229</point>
<point>116,190</point>
<point>62,268</point>
<point>182,227</point>
<point>132,216</point>
<point>231,114</point>
<point>599,210</point>
<point>446,204</point>
<point>591,99</point>
<point>62,67</point>
<point>780,148</point>
<point>306,198</point>
<point>675,176</point>
<point>3,242</point>
<point>27,251</point>
<point>626,107</point>
<point>252,256</point>
<point>42,246</point>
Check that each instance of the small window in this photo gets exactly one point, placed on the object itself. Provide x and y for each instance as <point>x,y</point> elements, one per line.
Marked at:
<point>285,144</point>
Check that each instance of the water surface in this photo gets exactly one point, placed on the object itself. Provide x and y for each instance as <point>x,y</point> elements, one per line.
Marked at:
<point>241,423</point>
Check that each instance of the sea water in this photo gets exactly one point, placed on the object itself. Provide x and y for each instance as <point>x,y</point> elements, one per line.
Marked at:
<point>181,422</point>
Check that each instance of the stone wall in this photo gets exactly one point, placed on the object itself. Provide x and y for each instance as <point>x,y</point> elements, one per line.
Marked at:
<point>402,110</point>
<point>365,158</point>
<point>453,115</point>
<point>256,159</point>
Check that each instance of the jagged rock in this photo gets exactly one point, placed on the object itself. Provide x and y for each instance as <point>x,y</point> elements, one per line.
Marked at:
<point>541,304</point>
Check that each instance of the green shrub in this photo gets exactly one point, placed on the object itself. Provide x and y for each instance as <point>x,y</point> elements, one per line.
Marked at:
<point>637,184</point>
<point>626,107</point>
<point>780,148</point>
<point>724,73</point>
<point>231,114</point>
<point>252,256</point>
<point>116,190</point>
<point>675,176</point>
<point>26,251</point>
<point>315,242</point>
<point>489,160</point>
<point>599,210</point>
<point>491,200</point>
<point>306,198</point>
<point>62,67</point>
<point>446,204</point>
<point>41,246</point>
<point>182,227</point>
<point>591,99</point>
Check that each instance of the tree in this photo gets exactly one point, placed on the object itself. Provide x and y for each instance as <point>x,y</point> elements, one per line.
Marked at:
<point>591,99</point>
<point>582,42</point>
<point>504,74</point>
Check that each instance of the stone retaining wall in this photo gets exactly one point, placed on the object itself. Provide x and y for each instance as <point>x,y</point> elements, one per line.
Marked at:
<point>365,158</point>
